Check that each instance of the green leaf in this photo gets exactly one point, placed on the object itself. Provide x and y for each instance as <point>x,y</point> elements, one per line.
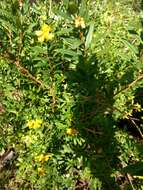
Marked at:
<point>72,42</point>
<point>130,46</point>
<point>134,169</point>
<point>68,52</point>
<point>83,8</point>
<point>89,35</point>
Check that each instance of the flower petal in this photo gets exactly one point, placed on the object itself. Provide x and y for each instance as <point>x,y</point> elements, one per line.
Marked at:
<point>38,33</point>
<point>45,28</point>
<point>41,38</point>
<point>49,36</point>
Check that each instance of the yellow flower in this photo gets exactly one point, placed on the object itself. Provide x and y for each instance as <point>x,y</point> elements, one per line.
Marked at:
<point>44,33</point>
<point>71,131</point>
<point>79,22</point>
<point>47,157</point>
<point>41,171</point>
<point>139,177</point>
<point>42,158</point>
<point>34,123</point>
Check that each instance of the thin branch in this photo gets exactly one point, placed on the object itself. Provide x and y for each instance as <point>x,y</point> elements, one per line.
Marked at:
<point>23,70</point>
<point>133,122</point>
<point>130,181</point>
<point>128,176</point>
<point>93,131</point>
<point>134,82</point>
<point>26,73</point>
<point>130,85</point>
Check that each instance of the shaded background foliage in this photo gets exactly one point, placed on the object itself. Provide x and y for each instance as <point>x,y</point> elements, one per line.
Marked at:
<point>87,79</point>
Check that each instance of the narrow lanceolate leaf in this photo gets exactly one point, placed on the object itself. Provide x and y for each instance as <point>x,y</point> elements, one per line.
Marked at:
<point>134,169</point>
<point>89,35</point>
<point>130,46</point>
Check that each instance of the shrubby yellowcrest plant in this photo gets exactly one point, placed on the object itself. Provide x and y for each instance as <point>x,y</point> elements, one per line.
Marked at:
<point>34,124</point>
<point>45,33</point>
<point>79,85</point>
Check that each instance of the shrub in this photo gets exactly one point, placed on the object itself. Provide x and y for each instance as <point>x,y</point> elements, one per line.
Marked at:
<point>70,70</point>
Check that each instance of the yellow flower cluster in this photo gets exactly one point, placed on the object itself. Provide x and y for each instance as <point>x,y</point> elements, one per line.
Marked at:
<point>45,33</point>
<point>41,171</point>
<point>34,124</point>
<point>43,158</point>
<point>71,131</point>
<point>79,22</point>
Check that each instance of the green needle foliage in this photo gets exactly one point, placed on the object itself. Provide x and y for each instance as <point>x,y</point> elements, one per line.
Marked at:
<point>70,71</point>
